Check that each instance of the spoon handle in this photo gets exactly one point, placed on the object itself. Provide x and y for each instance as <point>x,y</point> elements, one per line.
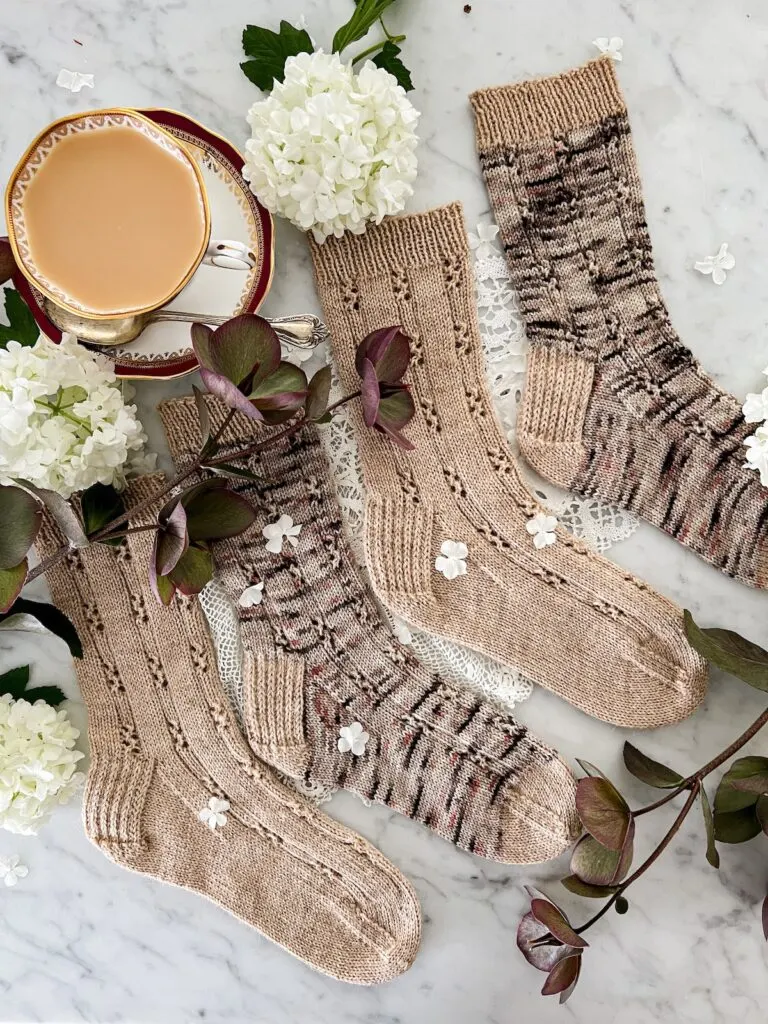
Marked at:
<point>302,331</point>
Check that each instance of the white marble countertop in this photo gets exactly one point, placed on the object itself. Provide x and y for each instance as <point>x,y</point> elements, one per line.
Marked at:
<point>82,940</point>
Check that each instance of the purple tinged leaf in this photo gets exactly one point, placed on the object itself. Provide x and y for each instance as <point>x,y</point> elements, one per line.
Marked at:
<point>193,571</point>
<point>61,510</point>
<point>395,411</point>
<point>548,914</point>
<point>589,769</point>
<point>563,977</point>
<point>201,344</point>
<point>730,652</point>
<point>543,958</point>
<point>597,865</point>
<point>652,773</point>
<point>370,393</point>
<point>11,583</point>
<point>287,379</point>
<point>218,514</point>
<point>603,811</point>
<point>21,516</point>
<point>171,540</point>
<point>318,394</point>
<point>228,393</point>
<point>736,790</point>
<point>576,885</point>
<point>388,350</point>
<point>245,347</point>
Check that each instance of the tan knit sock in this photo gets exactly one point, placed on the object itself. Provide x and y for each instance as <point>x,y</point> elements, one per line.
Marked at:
<point>566,617</point>
<point>319,659</point>
<point>165,747</point>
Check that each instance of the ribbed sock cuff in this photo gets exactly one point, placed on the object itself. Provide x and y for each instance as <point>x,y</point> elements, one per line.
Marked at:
<point>510,114</point>
<point>413,240</point>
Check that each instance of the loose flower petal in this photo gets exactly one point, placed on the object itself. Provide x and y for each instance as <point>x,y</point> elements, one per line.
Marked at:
<point>353,739</point>
<point>542,528</point>
<point>451,561</point>
<point>213,814</point>
<point>252,596</point>
<point>610,47</point>
<point>73,80</point>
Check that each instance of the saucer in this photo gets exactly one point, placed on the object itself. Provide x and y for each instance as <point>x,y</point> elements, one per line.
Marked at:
<point>164,350</point>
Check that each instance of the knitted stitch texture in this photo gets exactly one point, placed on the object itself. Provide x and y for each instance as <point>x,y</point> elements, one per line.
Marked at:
<point>322,659</point>
<point>566,617</point>
<point>164,742</point>
<point>615,406</point>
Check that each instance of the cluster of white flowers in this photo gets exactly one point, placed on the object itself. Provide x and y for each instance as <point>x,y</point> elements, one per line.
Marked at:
<point>64,424</point>
<point>332,149</point>
<point>37,763</point>
<point>755,410</point>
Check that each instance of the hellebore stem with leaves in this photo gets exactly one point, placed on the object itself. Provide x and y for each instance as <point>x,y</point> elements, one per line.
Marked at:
<point>241,365</point>
<point>602,857</point>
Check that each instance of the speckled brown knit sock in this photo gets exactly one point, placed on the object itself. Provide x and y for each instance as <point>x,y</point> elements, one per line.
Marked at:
<point>322,660</point>
<point>164,743</point>
<point>569,619</point>
<point>615,406</point>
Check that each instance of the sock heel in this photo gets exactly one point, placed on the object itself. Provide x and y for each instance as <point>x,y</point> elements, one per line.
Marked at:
<point>557,392</point>
<point>115,794</point>
<point>274,710</point>
<point>400,549</point>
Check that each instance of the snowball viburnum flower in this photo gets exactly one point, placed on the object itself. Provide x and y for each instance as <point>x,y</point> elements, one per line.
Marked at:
<point>213,815</point>
<point>757,453</point>
<point>451,561</point>
<point>718,264</point>
<point>64,424</point>
<point>353,739</point>
<point>332,149</point>
<point>542,528</point>
<point>12,870</point>
<point>755,407</point>
<point>276,533</point>
<point>38,763</point>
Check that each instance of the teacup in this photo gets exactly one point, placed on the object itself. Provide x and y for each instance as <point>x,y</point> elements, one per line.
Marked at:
<point>108,216</point>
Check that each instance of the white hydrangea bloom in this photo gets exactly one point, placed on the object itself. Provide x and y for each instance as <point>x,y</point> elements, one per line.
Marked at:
<point>37,763</point>
<point>63,422</point>
<point>331,149</point>
<point>757,453</point>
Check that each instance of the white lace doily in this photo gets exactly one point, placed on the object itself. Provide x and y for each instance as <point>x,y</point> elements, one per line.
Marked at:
<point>598,524</point>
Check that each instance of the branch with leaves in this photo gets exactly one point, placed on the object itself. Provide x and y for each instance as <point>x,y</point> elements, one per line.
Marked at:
<point>602,858</point>
<point>240,363</point>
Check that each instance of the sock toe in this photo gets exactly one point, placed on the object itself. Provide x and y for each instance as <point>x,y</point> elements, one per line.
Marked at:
<point>540,819</point>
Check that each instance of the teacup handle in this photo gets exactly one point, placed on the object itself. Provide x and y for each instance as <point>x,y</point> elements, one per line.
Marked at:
<point>223,252</point>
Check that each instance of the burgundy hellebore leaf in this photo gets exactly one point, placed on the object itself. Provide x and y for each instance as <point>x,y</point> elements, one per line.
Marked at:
<point>193,570</point>
<point>603,811</point>
<point>213,512</point>
<point>548,914</point>
<point>171,539</point>
<point>21,517</point>
<point>543,958</point>
<point>389,352</point>
<point>370,394</point>
<point>318,394</point>
<point>563,977</point>
<point>245,349</point>
<point>597,865</point>
<point>228,393</point>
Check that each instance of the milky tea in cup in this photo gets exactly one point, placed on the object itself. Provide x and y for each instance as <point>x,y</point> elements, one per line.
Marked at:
<point>107,214</point>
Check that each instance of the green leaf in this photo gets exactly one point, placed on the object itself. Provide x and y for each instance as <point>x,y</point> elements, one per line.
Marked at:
<point>270,50</point>
<point>317,394</point>
<point>388,58</point>
<point>285,389</point>
<point>732,797</point>
<point>52,695</point>
<point>245,348</point>
<point>99,505</point>
<point>603,811</point>
<point>21,324</point>
<point>366,13</point>
<point>548,914</point>
<point>227,469</point>
<point>730,652</point>
<point>163,588</point>
<point>652,773</point>
<point>749,775</point>
<point>621,906</point>
<point>15,681</point>
<point>589,769</point>
<point>50,618</point>
<point>215,513</point>
<point>193,570</point>
<point>761,810</point>
<point>712,855</point>
<point>7,262</point>
<point>576,885</point>
<point>11,582</point>
<point>596,865</point>
<point>736,826</point>
<point>21,517</point>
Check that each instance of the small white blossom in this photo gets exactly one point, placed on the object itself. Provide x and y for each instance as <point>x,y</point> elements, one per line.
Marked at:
<point>402,631</point>
<point>755,407</point>
<point>276,533</point>
<point>717,265</point>
<point>213,815</point>
<point>483,243</point>
<point>353,738</point>
<point>542,529</point>
<point>451,561</point>
<point>332,149</point>
<point>12,870</point>
<point>73,80</point>
<point>63,422</point>
<point>757,453</point>
<point>37,763</point>
<point>610,47</point>
<point>252,596</point>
